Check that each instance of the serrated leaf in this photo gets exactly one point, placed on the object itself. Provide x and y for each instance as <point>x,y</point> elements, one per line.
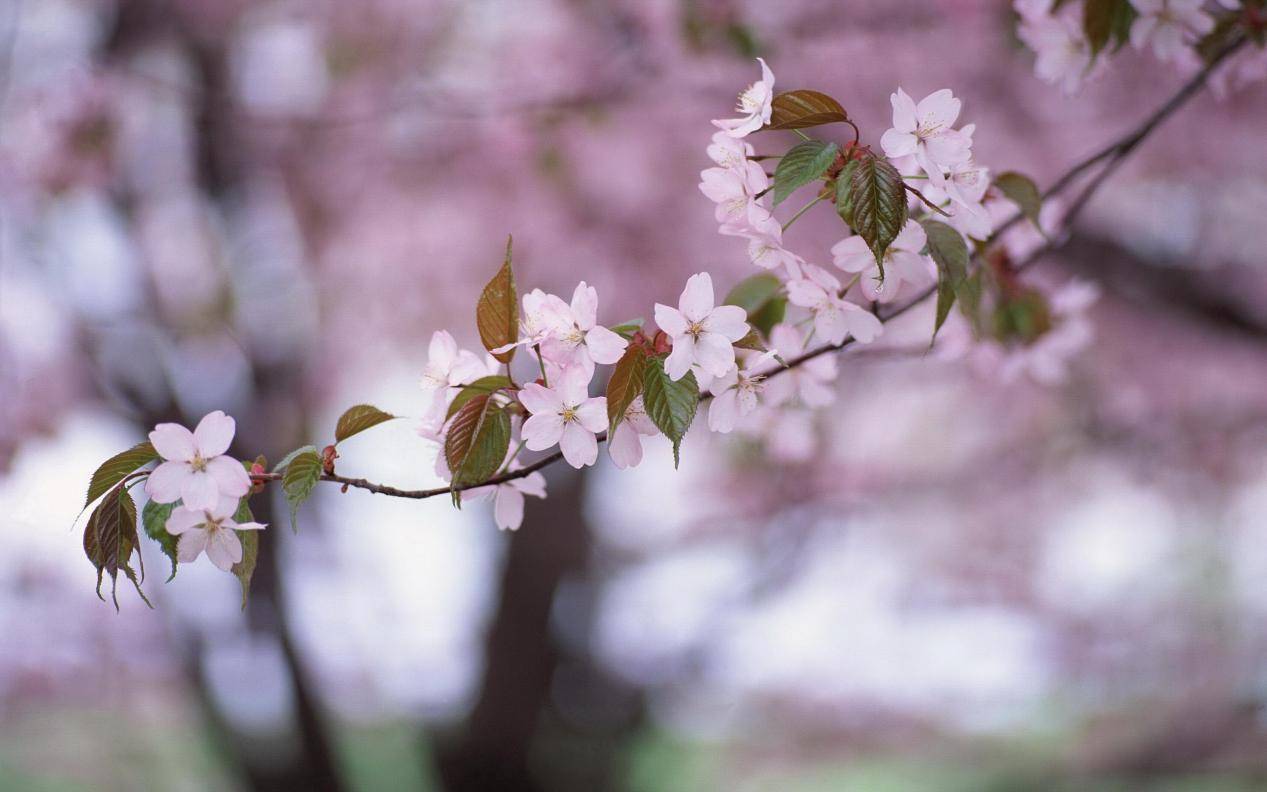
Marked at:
<point>1105,20</point>
<point>286,460</point>
<point>804,108</point>
<point>110,538</point>
<point>950,253</point>
<point>357,419</point>
<point>760,296</point>
<point>871,198</point>
<point>497,313</point>
<point>1021,190</point>
<point>250,540</point>
<point>302,474</point>
<point>477,441</point>
<point>670,405</point>
<point>482,385</point>
<point>803,163</point>
<point>624,386</point>
<point>114,469</point>
<point>154,519</point>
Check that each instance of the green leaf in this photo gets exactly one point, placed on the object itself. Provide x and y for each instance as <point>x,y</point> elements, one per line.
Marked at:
<point>950,252</point>
<point>250,540</point>
<point>303,471</point>
<point>114,469</point>
<point>109,540</point>
<point>802,109</point>
<point>497,313</point>
<point>482,385</point>
<point>477,442</point>
<point>286,460</point>
<point>357,419</point>
<point>760,296</point>
<point>871,198</point>
<point>1021,190</point>
<point>1105,20</point>
<point>802,164</point>
<point>670,405</point>
<point>154,519</point>
<point>625,385</point>
<point>627,329</point>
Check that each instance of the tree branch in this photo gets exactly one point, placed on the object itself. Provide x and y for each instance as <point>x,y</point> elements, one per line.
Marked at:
<point>1112,155</point>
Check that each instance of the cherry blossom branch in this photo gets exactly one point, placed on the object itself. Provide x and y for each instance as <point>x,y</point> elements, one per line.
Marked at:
<point>1113,155</point>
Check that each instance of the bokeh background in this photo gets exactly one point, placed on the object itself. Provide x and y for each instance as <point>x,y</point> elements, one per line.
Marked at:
<point>945,583</point>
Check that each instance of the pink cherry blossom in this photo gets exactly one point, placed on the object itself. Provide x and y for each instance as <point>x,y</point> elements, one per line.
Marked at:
<point>625,445</point>
<point>579,339</point>
<point>701,332</point>
<point>834,317</point>
<point>196,471</point>
<point>765,246</point>
<point>902,263</point>
<point>924,130</point>
<point>565,415</point>
<point>728,151</point>
<point>811,381</point>
<point>734,190</point>
<point>1062,52</point>
<point>508,498</point>
<point>755,105</point>
<point>1169,25</point>
<point>735,393</point>
<point>210,529</point>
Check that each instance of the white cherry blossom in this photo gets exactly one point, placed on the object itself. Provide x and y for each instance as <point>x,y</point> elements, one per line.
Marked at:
<point>902,263</point>
<point>211,530</point>
<point>1168,25</point>
<point>754,104</point>
<point>625,445</point>
<point>735,393</point>
<point>924,130</point>
<point>565,415</point>
<point>196,469</point>
<point>834,317</point>
<point>811,381</point>
<point>579,339</point>
<point>702,333</point>
<point>508,497</point>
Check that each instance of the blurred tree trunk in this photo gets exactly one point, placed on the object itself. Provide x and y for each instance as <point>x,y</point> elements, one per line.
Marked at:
<point>515,738</point>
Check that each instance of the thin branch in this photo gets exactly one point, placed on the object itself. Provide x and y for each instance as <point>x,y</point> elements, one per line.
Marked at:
<point>1113,155</point>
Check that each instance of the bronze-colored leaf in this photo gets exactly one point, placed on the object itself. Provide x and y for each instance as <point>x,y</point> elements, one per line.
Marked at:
<point>804,108</point>
<point>497,314</point>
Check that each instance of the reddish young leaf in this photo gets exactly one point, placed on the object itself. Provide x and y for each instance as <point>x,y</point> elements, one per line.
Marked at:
<point>625,385</point>
<point>477,441</point>
<point>804,108</point>
<point>357,419</point>
<point>497,314</point>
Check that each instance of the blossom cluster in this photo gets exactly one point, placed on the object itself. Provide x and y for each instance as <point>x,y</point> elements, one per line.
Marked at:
<point>1068,39</point>
<point>747,354</point>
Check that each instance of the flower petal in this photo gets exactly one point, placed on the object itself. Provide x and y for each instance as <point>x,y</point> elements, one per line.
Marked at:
<point>191,545</point>
<point>224,548</point>
<point>585,306</point>
<point>714,353</point>
<point>540,399</point>
<point>680,359</point>
<point>508,508</point>
<point>625,446</point>
<point>729,321</point>
<point>173,442</point>
<point>231,478</point>
<point>163,485</point>
<point>697,297</point>
<point>579,446</point>
<point>541,431</point>
<point>182,520</point>
<point>605,346</point>
<point>670,320</point>
<point>723,412</point>
<point>199,491</point>
<point>592,413</point>
<point>214,434</point>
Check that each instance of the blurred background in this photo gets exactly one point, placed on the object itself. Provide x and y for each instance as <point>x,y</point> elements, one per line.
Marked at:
<point>947,583</point>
